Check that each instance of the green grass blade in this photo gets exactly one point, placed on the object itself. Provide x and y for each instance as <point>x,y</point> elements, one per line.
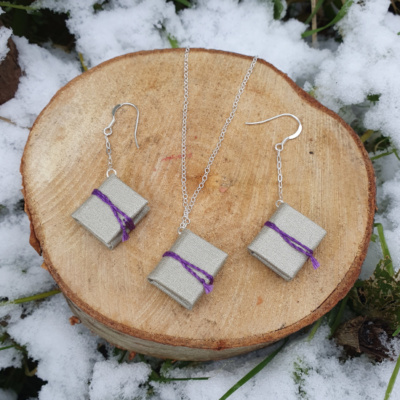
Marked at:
<point>7,347</point>
<point>173,42</point>
<point>185,3</point>
<point>397,331</point>
<point>122,356</point>
<point>314,329</point>
<point>387,153</point>
<point>254,371</point>
<point>342,12</point>
<point>203,378</point>
<point>17,6</point>
<point>31,298</point>
<point>392,379</point>
<point>339,316</point>
<point>366,135</point>
<point>317,7</point>
<point>385,248</point>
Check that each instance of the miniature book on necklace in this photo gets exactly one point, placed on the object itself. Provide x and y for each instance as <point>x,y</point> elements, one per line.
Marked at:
<point>188,269</point>
<point>288,239</point>
<point>114,209</point>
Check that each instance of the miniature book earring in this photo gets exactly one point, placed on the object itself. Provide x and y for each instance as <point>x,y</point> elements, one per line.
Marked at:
<point>289,238</point>
<point>114,209</point>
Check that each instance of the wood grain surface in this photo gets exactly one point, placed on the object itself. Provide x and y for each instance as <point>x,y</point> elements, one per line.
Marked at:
<point>327,176</point>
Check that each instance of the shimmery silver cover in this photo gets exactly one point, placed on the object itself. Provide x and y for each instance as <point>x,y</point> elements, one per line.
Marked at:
<point>272,250</point>
<point>98,218</point>
<point>174,280</point>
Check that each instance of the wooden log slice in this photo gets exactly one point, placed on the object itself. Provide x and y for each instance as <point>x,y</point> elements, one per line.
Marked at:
<point>327,176</point>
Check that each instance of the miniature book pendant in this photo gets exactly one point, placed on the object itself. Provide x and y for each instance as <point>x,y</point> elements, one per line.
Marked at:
<point>188,269</point>
<point>286,241</point>
<point>112,211</point>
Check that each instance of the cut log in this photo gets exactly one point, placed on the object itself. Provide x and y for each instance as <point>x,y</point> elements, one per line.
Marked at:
<point>327,176</point>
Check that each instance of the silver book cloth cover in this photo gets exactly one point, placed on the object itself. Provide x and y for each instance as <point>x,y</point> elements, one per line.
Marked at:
<point>174,280</point>
<point>98,218</point>
<point>273,251</point>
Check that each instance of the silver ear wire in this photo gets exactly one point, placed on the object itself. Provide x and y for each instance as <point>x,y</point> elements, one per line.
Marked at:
<point>108,130</point>
<point>279,148</point>
<point>297,133</point>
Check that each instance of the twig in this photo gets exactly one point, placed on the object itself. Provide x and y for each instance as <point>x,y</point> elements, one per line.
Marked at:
<point>13,123</point>
<point>314,39</point>
<point>84,66</point>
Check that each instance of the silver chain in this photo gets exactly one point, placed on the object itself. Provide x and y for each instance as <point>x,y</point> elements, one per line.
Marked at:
<point>107,133</point>
<point>188,205</point>
<point>110,163</point>
<point>279,148</point>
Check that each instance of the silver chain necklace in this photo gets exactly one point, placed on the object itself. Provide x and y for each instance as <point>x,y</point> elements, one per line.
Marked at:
<point>188,205</point>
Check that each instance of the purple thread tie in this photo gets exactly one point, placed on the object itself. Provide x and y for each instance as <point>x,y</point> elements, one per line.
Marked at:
<point>126,223</point>
<point>208,287</point>
<point>291,241</point>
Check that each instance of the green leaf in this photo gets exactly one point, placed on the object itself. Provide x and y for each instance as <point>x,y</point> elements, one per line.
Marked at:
<point>300,370</point>
<point>342,12</point>
<point>254,371</point>
<point>373,97</point>
<point>379,296</point>
<point>397,331</point>
<point>278,8</point>
<point>185,3</point>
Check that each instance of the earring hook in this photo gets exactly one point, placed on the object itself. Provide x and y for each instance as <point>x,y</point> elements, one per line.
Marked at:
<point>108,129</point>
<point>279,146</point>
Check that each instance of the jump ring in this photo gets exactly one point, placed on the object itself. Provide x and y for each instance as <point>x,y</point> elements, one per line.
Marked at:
<point>111,170</point>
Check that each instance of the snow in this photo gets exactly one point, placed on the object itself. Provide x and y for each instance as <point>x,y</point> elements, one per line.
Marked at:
<point>341,76</point>
<point>119,381</point>
<point>7,394</point>
<point>323,375</point>
<point>66,353</point>
<point>5,34</point>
